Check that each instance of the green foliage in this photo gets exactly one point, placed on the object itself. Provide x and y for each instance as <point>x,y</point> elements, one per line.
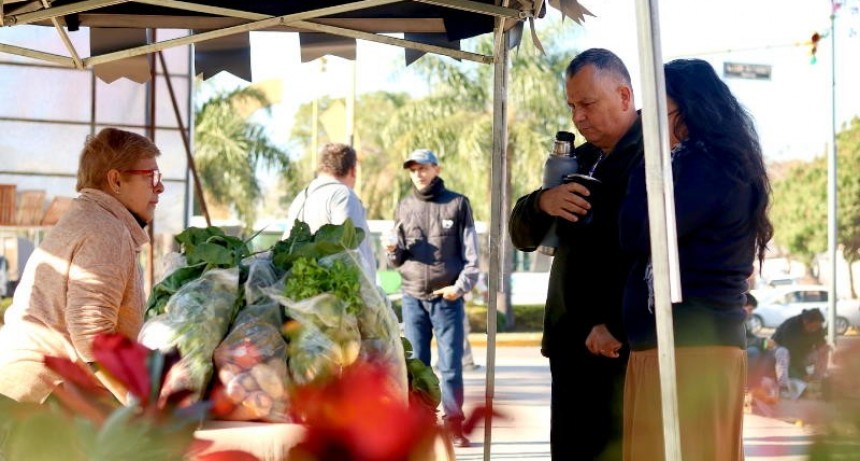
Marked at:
<point>307,279</point>
<point>799,211</point>
<point>423,383</point>
<point>328,240</point>
<point>204,249</point>
<point>4,304</point>
<point>848,173</point>
<point>528,318</point>
<point>455,120</point>
<point>230,149</point>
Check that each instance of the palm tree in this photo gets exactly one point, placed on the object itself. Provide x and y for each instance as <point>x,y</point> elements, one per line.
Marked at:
<point>230,150</point>
<point>455,119</point>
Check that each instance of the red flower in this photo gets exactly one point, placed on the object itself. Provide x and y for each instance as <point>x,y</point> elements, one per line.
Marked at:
<point>361,417</point>
<point>127,362</point>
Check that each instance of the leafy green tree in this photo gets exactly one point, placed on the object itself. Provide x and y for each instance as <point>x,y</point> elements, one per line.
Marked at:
<point>798,213</point>
<point>455,119</point>
<point>799,210</point>
<point>229,151</point>
<point>848,204</point>
<point>378,168</point>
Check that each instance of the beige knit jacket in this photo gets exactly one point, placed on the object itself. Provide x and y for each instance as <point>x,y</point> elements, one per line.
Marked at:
<point>84,279</point>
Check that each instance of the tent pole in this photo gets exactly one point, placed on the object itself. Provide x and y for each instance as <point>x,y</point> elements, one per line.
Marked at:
<point>499,177</point>
<point>661,214</point>
<point>832,182</point>
<point>152,96</point>
<point>198,190</point>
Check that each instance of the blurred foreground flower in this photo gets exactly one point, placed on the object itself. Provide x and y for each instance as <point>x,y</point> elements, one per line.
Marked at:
<point>359,417</point>
<point>839,418</point>
<point>82,421</point>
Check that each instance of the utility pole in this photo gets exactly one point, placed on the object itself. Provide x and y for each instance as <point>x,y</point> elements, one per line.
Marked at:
<point>832,236</point>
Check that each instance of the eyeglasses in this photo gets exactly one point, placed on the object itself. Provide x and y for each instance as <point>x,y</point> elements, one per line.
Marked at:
<point>154,174</point>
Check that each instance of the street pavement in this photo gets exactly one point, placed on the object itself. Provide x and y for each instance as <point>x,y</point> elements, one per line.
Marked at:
<point>522,391</point>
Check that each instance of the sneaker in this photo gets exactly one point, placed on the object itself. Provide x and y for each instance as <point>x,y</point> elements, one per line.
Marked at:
<point>460,441</point>
<point>455,432</point>
<point>472,367</point>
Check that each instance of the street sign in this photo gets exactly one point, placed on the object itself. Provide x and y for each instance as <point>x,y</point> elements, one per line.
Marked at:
<point>751,71</point>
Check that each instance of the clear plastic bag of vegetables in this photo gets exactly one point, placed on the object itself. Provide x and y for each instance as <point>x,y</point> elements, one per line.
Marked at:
<point>322,336</point>
<point>261,276</point>
<point>195,321</point>
<point>340,275</point>
<point>377,322</point>
<point>251,365</point>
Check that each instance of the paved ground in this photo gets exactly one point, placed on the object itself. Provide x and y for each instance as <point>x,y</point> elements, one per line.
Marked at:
<point>522,391</point>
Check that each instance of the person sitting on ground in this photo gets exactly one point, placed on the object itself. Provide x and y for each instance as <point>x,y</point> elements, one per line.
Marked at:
<point>756,347</point>
<point>798,343</point>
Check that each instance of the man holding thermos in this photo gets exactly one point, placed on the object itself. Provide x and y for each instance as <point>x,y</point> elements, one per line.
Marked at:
<point>583,337</point>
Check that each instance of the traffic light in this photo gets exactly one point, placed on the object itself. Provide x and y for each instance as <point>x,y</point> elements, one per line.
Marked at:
<point>813,47</point>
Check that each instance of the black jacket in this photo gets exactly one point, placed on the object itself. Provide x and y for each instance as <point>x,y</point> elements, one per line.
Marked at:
<point>714,207</point>
<point>438,245</point>
<point>588,270</point>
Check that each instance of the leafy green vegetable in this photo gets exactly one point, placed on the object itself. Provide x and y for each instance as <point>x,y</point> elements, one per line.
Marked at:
<point>423,383</point>
<point>204,249</point>
<point>212,246</point>
<point>163,290</point>
<point>328,240</point>
<point>307,279</point>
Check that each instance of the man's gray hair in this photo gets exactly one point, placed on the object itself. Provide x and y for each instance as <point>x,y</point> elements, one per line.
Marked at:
<point>600,58</point>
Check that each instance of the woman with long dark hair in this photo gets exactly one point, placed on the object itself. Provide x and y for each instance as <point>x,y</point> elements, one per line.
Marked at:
<point>721,200</point>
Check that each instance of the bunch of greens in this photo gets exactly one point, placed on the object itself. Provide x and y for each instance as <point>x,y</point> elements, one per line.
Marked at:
<point>424,387</point>
<point>328,240</point>
<point>308,278</point>
<point>204,249</point>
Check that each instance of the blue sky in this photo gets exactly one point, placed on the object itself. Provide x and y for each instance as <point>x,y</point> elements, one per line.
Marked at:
<point>792,110</point>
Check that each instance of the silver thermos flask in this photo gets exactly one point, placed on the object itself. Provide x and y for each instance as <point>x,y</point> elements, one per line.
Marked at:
<point>561,162</point>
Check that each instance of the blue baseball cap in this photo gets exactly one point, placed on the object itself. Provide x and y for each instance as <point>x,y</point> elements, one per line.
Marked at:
<point>422,156</point>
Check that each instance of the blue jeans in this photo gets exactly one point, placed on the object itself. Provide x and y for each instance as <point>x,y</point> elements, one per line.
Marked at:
<point>421,319</point>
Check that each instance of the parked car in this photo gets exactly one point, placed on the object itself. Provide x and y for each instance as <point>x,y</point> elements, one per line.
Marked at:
<point>775,305</point>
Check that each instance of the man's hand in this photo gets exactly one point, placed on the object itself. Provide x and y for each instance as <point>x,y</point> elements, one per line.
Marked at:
<point>601,342</point>
<point>449,293</point>
<point>563,201</point>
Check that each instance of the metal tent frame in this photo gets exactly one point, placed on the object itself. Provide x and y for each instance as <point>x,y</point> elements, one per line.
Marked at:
<point>212,20</point>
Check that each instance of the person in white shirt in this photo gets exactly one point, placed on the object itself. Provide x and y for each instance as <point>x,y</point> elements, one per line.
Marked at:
<point>330,199</point>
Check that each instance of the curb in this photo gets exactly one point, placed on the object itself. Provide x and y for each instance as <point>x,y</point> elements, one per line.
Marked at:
<point>503,340</point>
<point>507,339</point>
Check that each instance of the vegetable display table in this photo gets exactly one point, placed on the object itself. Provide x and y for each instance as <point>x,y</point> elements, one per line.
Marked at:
<point>272,441</point>
<point>266,441</point>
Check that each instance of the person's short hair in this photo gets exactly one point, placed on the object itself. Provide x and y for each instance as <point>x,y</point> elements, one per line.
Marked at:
<point>602,59</point>
<point>111,148</point>
<point>812,315</point>
<point>751,301</point>
<point>336,159</point>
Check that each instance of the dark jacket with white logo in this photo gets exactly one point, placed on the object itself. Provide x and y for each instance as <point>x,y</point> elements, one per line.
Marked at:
<point>438,245</point>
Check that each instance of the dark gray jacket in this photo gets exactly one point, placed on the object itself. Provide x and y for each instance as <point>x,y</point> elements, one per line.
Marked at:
<point>437,244</point>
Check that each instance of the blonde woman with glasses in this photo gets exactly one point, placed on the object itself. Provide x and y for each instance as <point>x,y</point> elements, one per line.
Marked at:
<point>85,277</point>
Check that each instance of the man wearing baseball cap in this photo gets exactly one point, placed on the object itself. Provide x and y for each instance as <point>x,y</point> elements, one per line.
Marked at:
<point>437,254</point>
